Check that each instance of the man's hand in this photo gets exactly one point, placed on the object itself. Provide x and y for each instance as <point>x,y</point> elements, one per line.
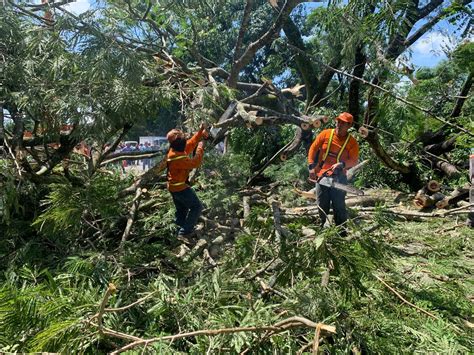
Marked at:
<point>312,174</point>
<point>201,145</point>
<point>337,166</point>
<point>203,129</point>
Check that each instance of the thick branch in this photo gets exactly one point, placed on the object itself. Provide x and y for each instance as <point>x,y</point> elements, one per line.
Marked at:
<point>2,125</point>
<point>462,97</point>
<point>304,123</point>
<point>113,157</point>
<point>67,144</point>
<point>443,147</point>
<point>131,215</point>
<point>354,88</point>
<point>374,142</point>
<point>447,168</point>
<point>46,21</point>
<point>149,177</point>
<point>304,64</point>
<point>407,21</point>
<point>243,29</point>
<point>325,79</point>
<point>253,47</point>
<point>428,8</point>
<point>422,30</point>
<point>290,323</point>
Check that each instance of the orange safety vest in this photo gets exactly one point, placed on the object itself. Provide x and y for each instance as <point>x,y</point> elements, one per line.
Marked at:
<point>326,154</point>
<point>167,164</point>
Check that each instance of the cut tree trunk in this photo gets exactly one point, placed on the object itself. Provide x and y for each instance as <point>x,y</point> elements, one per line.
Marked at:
<point>440,148</point>
<point>447,168</point>
<point>456,196</point>
<point>429,195</point>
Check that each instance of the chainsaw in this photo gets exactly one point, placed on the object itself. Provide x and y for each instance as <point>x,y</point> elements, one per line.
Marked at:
<point>328,181</point>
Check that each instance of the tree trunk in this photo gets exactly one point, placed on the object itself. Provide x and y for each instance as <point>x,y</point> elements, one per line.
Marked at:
<point>305,66</point>
<point>462,96</point>
<point>354,88</point>
<point>2,125</point>
<point>456,196</point>
<point>443,147</point>
<point>447,168</point>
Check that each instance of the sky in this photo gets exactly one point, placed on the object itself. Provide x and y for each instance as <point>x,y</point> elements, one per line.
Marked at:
<point>78,7</point>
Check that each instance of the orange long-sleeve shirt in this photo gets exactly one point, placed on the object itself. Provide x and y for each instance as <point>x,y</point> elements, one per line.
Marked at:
<point>179,168</point>
<point>349,156</point>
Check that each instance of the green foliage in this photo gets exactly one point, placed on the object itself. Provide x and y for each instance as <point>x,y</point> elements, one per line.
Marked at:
<point>259,144</point>
<point>462,57</point>
<point>42,313</point>
<point>65,205</point>
<point>374,173</point>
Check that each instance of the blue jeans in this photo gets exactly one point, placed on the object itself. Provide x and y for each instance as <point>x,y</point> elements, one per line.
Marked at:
<point>188,210</point>
<point>325,195</point>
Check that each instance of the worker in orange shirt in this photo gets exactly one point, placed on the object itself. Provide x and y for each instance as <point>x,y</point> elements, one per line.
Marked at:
<point>331,154</point>
<point>179,164</point>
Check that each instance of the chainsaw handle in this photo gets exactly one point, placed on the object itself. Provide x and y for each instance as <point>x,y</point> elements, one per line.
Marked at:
<point>325,173</point>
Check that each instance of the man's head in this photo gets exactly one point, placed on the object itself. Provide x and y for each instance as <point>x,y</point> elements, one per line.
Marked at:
<point>343,122</point>
<point>177,140</point>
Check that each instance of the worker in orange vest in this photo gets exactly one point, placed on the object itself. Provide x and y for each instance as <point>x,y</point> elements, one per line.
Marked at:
<point>179,164</point>
<point>331,154</point>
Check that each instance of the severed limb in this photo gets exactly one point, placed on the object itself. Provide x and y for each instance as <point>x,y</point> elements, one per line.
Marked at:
<point>284,325</point>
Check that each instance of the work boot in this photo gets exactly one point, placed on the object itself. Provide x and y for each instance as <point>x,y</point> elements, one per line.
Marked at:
<point>187,239</point>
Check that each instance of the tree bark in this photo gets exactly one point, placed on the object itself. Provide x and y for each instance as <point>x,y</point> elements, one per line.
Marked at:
<point>462,96</point>
<point>305,66</point>
<point>410,177</point>
<point>253,47</point>
<point>354,87</point>
<point>325,79</point>
<point>449,169</point>
<point>2,125</point>
<point>456,196</point>
<point>443,147</point>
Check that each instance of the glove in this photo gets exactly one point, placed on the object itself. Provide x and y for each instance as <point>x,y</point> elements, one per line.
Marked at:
<point>337,166</point>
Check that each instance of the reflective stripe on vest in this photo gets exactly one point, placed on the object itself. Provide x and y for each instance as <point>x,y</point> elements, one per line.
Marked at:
<point>173,159</point>
<point>177,158</point>
<point>329,147</point>
<point>178,184</point>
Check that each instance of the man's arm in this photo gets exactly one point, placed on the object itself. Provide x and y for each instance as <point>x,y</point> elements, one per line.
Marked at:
<point>313,150</point>
<point>194,140</point>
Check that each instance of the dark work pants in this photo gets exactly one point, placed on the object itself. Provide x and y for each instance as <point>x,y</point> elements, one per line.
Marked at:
<point>188,210</point>
<point>327,196</point>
